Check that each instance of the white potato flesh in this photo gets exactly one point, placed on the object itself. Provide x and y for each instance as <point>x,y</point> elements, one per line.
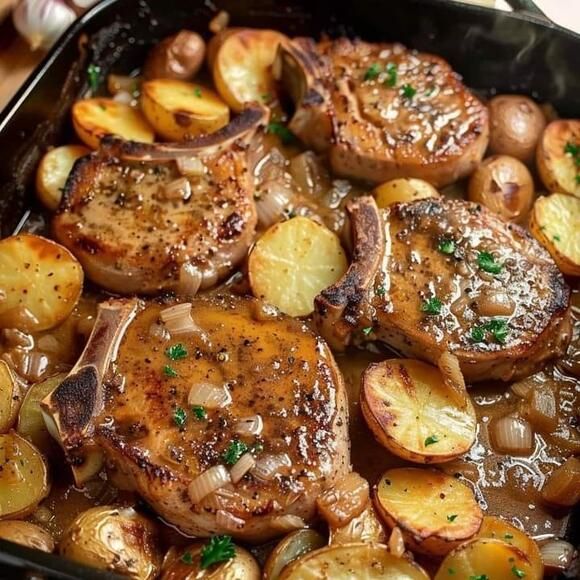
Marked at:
<point>10,398</point>
<point>404,189</point>
<point>40,283</point>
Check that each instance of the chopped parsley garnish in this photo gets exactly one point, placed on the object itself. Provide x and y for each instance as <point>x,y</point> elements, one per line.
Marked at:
<point>197,92</point>
<point>366,331</point>
<point>446,246</point>
<point>497,327</point>
<point>432,306</point>
<point>556,237</point>
<point>218,549</point>
<point>578,179</point>
<point>266,97</point>
<point>391,79</point>
<point>508,536</point>
<point>281,131</point>
<point>199,412</point>
<point>431,440</point>
<point>169,371</point>
<point>179,417</point>
<point>372,72</point>
<point>409,91</point>
<point>94,75</point>
<point>187,558</point>
<point>451,571</point>
<point>176,352</point>
<point>479,577</point>
<point>574,150</point>
<point>234,451</point>
<point>452,518</point>
<point>518,573</point>
<point>380,290</point>
<point>487,263</point>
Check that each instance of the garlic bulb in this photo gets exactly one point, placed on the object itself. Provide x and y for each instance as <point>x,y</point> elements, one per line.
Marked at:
<point>41,22</point>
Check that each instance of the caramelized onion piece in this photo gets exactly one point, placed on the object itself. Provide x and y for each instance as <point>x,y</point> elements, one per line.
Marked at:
<point>192,166</point>
<point>210,396</point>
<point>249,426</point>
<point>178,190</point>
<point>190,279</point>
<point>512,436</point>
<point>557,556</point>
<point>541,410</point>
<point>242,466</point>
<point>229,521</point>
<point>448,364</point>
<point>268,466</point>
<point>271,201</point>
<point>288,523</point>
<point>563,486</point>
<point>208,482</point>
<point>346,500</point>
<point>397,542</point>
<point>177,319</point>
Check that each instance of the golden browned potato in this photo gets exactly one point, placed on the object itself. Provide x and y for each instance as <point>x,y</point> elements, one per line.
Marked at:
<point>292,262</point>
<point>366,527</point>
<point>350,561</point>
<point>177,57</point>
<point>26,534</point>
<point>558,156</point>
<point>198,561</point>
<point>486,559</point>
<point>292,547</point>
<point>402,190</point>
<point>95,118</point>
<point>53,172</point>
<point>415,413</point>
<point>555,223</point>
<point>435,511</point>
<point>115,539</point>
<point>504,185</point>
<point>497,529</point>
<point>40,283</point>
<point>242,66</point>
<point>23,477</point>
<point>516,123</point>
<point>10,397</point>
<point>179,110</point>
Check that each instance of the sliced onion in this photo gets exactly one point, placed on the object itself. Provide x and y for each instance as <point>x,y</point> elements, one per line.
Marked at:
<point>249,426</point>
<point>13,337</point>
<point>190,279</point>
<point>219,22</point>
<point>269,465</point>
<point>229,521</point>
<point>177,319</point>
<point>272,198</point>
<point>557,556</point>
<point>541,410</point>
<point>495,303</point>
<point>178,190</point>
<point>345,500</point>
<point>209,396</point>
<point>524,388</point>
<point>159,331</point>
<point>310,174</point>
<point>288,523</point>
<point>563,486</point>
<point>123,97</point>
<point>27,364</point>
<point>262,311</point>
<point>453,378</point>
<point>192,166</point>
<point>208,482</point>
<point>512,436</point>
<point>397,542</point>
<point>242,466</point>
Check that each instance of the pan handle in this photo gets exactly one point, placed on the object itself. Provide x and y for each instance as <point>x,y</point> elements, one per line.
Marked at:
<point>529,7</point>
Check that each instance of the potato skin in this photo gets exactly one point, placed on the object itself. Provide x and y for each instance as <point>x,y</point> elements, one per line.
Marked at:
<point>516,123</point>
<point>177,57</point>
<point>26,534</point>
<point>505,186</point>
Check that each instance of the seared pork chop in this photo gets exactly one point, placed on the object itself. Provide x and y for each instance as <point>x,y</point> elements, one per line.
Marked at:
<point>282,401</point>
<point>383,111</point>
<point>145,218</point>
<point>452,277</point>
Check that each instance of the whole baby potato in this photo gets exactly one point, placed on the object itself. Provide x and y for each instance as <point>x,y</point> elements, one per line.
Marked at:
<point>516,123</point>
<point>176,57</point>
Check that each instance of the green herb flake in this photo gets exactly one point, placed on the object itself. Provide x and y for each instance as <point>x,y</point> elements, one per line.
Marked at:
<point>574,150</point>
<point>478,334</point>
<point>499,329</point>
<point>199,412</point>
<point>451,571</point>
<point>518,572</point>
<point>233,452</point>
<point>94,76</point>
<point>266,97</point>
<point>479,577</point>
<point>446,246</point>
<point>409,91</point>
<point>508,536</point>
<point>380,290</point>
<point>372,72</point>
<point>176,352</point>
<point>431,440</point>
<point>197,92</point>
<point>432,306</point>
<point>187,558</point>
<point>487,263</point>
<point>218,549</point>
<point>391,79</point>
<point>556,238</point>
<point>281,131</point>
<point>578,179</point>
<point>179,417</point>
<point>452,518</point>
<point>169,371</point>
<point>366,331</point>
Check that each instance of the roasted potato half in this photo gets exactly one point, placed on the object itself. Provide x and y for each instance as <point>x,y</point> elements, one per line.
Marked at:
<point>555,223</point>
<point>115,539</point>
<point>191,564</point>
<point>292,262</point>
<point>402,190</point>
<point>498,529</point>
<point>504,185</point>
<point>40,283</point>
<point>558,156</point>
<point>26,534</point>
<point>292,547</point>
<point>23,476</point>
<point>414,413</point>
<point>348,561</point>
<point>179,110</point>
<point>95,118</point>
<point>10,397</point>
<point>435,511</point>
<point>366,527</point>
<point>486,559</point>
<point>53,172</point>
<point>242,66</point>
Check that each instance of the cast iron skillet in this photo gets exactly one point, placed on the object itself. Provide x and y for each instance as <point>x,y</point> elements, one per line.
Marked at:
<point>507,52</point>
